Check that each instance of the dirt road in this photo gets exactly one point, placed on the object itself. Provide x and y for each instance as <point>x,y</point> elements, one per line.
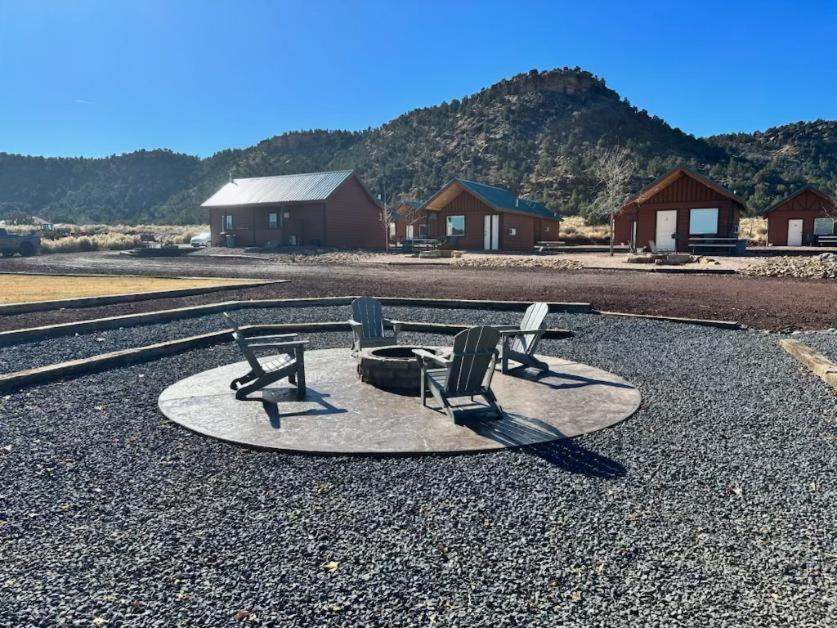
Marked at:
<point>778,304</point>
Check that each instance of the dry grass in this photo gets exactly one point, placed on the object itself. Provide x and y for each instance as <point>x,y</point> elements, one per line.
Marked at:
<point>84,238</point>
<point>24,288</point>
<point>755,230</point>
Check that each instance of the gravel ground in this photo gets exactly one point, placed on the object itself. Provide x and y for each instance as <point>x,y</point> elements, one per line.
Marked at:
<point>714,505</point>
<point>34,354</point>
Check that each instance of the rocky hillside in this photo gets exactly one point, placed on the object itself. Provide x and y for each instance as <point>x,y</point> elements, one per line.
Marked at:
<point>537,133</point>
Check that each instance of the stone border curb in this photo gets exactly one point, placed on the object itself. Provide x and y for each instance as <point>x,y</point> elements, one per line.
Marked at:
<point>677,319</point>
<point>32,334</point>
<point>817,363</point>
<point>81,302</point>
<point>11,382</point>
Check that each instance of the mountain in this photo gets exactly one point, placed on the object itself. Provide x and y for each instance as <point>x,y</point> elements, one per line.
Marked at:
<point>537,133</point>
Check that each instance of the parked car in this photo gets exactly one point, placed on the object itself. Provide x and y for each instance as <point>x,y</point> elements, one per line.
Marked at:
<point>202,239</point>
<point>25,244</point>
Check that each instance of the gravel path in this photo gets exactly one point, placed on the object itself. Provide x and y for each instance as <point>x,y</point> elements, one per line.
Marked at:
<point>714,505</point>
<point>34,354</point>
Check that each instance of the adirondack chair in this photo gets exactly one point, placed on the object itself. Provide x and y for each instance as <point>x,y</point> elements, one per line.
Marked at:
<point>519,344</point>
<point>289,361</point>
<point>368,325</point>
<point>465,372</point>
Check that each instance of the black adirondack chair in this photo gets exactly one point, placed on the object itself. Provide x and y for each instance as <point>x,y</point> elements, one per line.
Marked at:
<point>287,360</point>
<point>465,372</point>
<point>368,325</point>
<point>519,344</point>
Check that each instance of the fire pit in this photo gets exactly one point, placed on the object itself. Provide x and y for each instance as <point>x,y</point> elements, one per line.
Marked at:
<point>392,367</point>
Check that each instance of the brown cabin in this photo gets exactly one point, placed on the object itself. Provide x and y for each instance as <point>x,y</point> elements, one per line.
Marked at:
<point>801,218</point>
<point>407,222</point>
<point>329,209</point>
<point>679,206</point>
<point>478,217</point>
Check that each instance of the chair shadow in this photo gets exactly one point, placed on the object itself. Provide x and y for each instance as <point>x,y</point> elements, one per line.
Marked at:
<point>560,451</point>
<point>270,400</point>
<point>580,381</point>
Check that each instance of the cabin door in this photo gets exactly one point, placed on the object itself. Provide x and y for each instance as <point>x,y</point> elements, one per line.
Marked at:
<point>795,232</point>
<point>491,232</point>
<point>666,228</point>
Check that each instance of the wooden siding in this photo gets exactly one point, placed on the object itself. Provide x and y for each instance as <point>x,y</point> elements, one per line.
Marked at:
<point>353,220</point>
<point>806,206</point>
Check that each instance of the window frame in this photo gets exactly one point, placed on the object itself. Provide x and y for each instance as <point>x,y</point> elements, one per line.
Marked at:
<point>228,222</point>
<point>692,211</point>
<point>274,224</point>
<point>823,218</point>
<point>449,226</point>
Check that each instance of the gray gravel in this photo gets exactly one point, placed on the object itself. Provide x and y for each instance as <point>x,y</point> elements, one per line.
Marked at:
<point>714,505</point>
<point>823,341</point>
<point>34,354</point>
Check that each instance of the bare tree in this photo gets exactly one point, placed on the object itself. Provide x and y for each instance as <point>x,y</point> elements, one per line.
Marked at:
<point>612,172</point>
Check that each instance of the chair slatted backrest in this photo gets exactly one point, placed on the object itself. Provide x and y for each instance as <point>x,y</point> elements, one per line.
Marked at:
<point>533,319</point>
<point>473,354</point>
<point>252,360</point>
<point>367,311</point>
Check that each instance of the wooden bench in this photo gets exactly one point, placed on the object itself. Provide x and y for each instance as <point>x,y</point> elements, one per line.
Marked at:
<point>544,246</point>
<point>827,240</point>
<point>725,244</point>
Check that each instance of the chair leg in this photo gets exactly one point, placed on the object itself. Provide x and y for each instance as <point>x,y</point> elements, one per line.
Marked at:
<point>491,398</point>
<point>300,373</point>
<point>423,388</point>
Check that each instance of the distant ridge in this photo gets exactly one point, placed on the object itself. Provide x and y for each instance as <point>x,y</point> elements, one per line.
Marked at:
<point>536,133</point>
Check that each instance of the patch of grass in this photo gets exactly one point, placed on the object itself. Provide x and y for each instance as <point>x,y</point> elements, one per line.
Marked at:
<point>25,288</point>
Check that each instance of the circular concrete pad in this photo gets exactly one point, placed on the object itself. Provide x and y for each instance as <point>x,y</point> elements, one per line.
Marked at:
<point>342,415</point>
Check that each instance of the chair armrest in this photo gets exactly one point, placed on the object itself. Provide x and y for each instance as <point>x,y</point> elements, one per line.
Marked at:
<point>506,328</point>
<point>396,325</point>
<point>273,337</point>
<point>354,324</point>
<point>277,345</point>
<point>426,356</point>
<point>521,332</point>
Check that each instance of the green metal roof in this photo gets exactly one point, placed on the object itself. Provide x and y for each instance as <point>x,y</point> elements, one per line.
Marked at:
<point>503,200</point>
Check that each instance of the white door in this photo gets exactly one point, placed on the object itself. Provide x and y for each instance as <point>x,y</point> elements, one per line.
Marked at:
<point>795,232</point>
<point>491,232</point>
<point>666,228</point>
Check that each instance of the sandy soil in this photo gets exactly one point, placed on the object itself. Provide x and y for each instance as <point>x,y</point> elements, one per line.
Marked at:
<point>779,304</point>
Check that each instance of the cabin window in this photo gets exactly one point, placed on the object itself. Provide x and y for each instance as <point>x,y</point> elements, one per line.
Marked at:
<point>703,221</point>
<point>227,222</point>
<point>456,225</point>
<point>273,220</point>
<point>392,230</point>
<point>823,226</point>
<point>422,231</point>
<point>409,232</point>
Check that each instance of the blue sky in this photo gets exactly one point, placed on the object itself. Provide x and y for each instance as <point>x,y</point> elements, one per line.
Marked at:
<point>91,78</point>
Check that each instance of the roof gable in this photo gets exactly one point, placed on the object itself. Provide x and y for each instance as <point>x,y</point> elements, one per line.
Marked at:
<point>289,188</point>
<point>498,199</point>
<point>677,175</point>
<point>821,201</point>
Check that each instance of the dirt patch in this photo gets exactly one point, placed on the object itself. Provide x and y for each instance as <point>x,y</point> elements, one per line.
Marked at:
<point>777,303</point>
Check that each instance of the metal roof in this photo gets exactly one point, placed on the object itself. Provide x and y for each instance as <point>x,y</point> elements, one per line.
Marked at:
<point>287,188</point>
<point>500,199</point>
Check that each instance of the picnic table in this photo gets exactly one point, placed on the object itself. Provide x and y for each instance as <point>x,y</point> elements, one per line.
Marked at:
<point>732,246</point>
<point>544,246</point>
